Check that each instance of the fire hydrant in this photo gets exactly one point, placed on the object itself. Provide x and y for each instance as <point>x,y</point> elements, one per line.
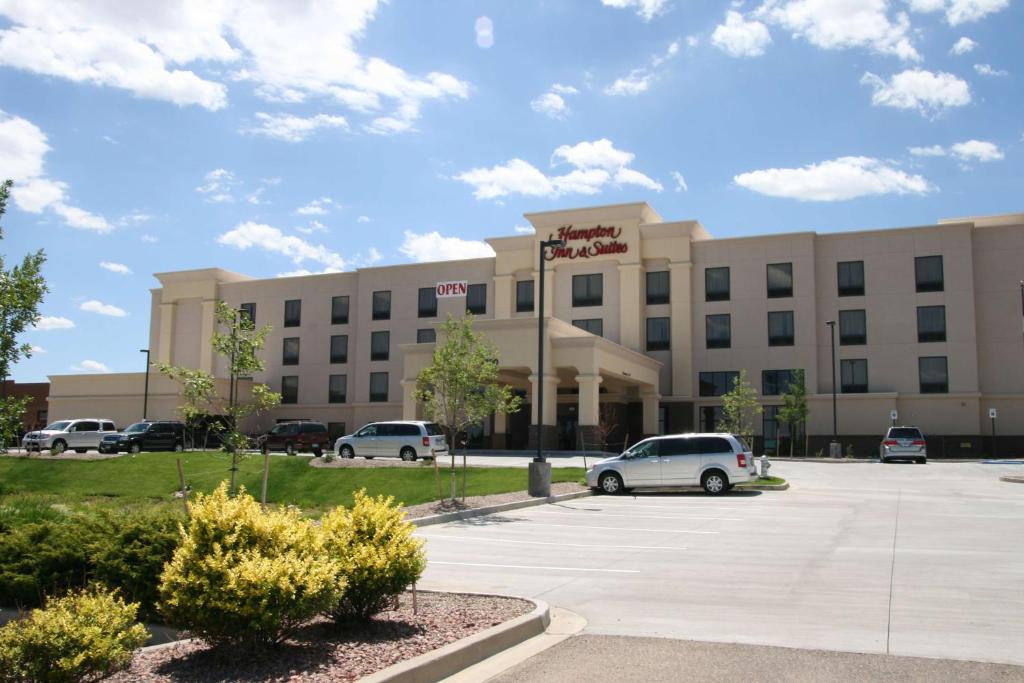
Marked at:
<point>765,466</point>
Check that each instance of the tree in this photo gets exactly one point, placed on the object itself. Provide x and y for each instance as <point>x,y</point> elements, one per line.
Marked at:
<point>740,408</point>
<point>199,398</point>
<point>794,411</point>
<point>460,387</point>
<point>22,289</point>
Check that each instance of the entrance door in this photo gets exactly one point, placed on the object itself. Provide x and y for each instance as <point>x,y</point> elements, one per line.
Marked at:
<point>567,425</point>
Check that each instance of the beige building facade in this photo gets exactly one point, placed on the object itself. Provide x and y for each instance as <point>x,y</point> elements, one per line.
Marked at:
<point>649,320</point>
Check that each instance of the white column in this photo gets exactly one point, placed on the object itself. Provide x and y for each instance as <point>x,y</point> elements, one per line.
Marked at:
<point>550,398</point>
<point>681,330</point>
<point>630,305</point>
<point>207,325</point>
<point>650,411</point>
<point>504,293</point>
<point>500,423</point>
<point>409,399</point>
<point>589,400</point>
<point>165,352</point>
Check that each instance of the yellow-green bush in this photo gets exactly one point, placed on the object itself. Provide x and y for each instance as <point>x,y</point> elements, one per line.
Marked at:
<point>247,576</point>
<point>378,554</point>
<point>80,637</point>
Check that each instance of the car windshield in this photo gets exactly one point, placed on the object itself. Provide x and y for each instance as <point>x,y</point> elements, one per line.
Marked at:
<point>137,427</point>
<point>433,429</point>
<point>59,426</point>
<point>904,433</point>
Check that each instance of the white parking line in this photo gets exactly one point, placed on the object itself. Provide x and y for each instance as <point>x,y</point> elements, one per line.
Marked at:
<point>615,528</point>
<point>567,545</point>
<point>613,514</point>
<point>628,504</point>
<point>526,566</point>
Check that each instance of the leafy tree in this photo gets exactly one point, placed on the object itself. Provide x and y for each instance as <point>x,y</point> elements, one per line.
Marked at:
<point>22,289</point>
<point>199,398</point>
<point>740,408</point>
<point>794,411</point>
<point>460,388</point>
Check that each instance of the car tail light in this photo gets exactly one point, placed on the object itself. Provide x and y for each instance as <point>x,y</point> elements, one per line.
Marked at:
<point>426,441</point>
<point>919,442</point>
<point>891,442</point>
<point>741,459</point>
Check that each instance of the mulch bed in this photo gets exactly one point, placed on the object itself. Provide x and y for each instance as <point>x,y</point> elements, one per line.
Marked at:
<point>358,462</point>
<point>323,651</point>
<point>66,455</point>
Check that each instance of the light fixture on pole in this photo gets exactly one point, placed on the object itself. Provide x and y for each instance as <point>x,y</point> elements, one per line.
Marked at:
<point>834,449</point>
<point>540,469</point>
<point>145,391</point>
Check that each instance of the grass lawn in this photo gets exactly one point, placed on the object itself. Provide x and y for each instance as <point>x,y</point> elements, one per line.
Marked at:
<point>152,477</point>
<point>764,480</point>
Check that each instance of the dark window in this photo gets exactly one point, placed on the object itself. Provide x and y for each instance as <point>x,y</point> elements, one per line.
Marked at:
<point>711,444</point>
<point>675,446</point>
<point>931,323</point>
<point>380,345</point>
<point>587,290</point>
<point>850,276</point>
<point>339,348</point>
<point>290,356</point>
<point>290,389</point>
<point>433,429</point>
<point>716,384</point>
<point>780,280</point>
<point>312,428</point>
<point>928,273</point>
<point>378,387</point>
<point>770,426</point>
<point>853,328</point>
<point>337,389</point>
<point>524,296</point>
<point>427,305</point>
<point>716,284</point>
<point>904,433</point>
<point>293,313</point>
<point>657,288</point>
<point>426,336</point>
<point>719,331</point>
<point>775,382</point>
<point>248,312</point>
<point>476,299</point>
<point>109,427</point>
<point>382,305</point>
<point>87,426</point>
<point>591,325</point>
<point>339,310</point>
<point>934,374</point>
<point>335,430</point>
<point>659,334</point>
<point>853,376</point>
<point>780,328</point>
<point>646,449</point>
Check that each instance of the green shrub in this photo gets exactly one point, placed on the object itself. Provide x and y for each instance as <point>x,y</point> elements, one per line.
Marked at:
<point>379,556</point>
<point>80,637</point>
<point>245,576</point>
<point>44,557</point>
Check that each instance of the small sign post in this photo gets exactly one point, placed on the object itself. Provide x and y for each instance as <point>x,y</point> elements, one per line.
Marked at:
<point>993,414</point>
<point>893,415</point>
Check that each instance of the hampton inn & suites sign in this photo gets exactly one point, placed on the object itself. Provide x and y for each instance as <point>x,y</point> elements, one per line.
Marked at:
<point>600,240</point>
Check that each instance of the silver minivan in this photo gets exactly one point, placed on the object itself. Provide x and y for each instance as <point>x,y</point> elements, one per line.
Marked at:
<point>903,443</point>
<point>405,439</point>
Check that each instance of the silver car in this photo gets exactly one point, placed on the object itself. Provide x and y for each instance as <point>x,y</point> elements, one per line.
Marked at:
<point>78,435</point>
<point>406,439</point>
<point>903,443</point>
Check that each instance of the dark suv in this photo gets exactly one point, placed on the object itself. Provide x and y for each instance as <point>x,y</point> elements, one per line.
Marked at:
<point>293,437</point>
<point>160,435</point>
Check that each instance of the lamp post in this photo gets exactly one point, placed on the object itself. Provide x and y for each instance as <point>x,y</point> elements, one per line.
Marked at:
<point>540,469</point>
<point>145,391</point>
<point>834,448</point>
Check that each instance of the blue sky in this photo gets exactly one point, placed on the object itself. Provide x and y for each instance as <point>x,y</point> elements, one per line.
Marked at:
<point>283,137</point>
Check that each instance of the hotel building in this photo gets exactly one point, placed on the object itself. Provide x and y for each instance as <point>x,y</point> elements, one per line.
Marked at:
<point>649,322</point>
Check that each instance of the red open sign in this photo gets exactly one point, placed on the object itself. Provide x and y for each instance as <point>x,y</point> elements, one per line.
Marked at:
<point>452,289</point>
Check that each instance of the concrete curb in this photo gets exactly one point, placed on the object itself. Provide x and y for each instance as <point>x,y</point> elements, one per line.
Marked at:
<point>491,509</point>
<point>454,657</point>
<point>1012,479</point>
<point>762,487</point>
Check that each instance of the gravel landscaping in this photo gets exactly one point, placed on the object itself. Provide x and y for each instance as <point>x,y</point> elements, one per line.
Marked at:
<point>341,463</point>
<point>439,507</point>
<point>66,455</point>
<point>323,651</point>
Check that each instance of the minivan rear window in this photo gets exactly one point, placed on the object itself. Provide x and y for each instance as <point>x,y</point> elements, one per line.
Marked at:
<point>434,429</point>
<point>905,433</point>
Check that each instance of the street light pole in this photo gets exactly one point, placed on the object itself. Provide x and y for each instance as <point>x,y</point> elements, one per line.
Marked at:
<point>834,449</point>
<point>145,391</point>
<point>540,470</point>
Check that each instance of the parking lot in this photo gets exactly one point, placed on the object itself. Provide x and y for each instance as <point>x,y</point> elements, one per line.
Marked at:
<point>924,560</point>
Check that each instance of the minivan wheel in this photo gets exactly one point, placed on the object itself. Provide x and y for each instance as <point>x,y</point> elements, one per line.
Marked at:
<point>135,448</point>
<point>58,447</point>
<point>347,452</point>
<point>408,454</point>
<point>714,482</point>
<point>610,483</point>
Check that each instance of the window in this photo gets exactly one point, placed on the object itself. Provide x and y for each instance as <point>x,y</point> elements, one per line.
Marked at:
<point>591,325</point>
<point>290,389</point>
<point>719,331</point>
<point>339,348</point>
<point>706,445</point>
<point>780,328</point>
<point>676,446</point>
<point>928,273</point>
<point>380,345</point>
<point>382,305</point>
<point>775,382</point>
<point>524,296</point>
<point>710,418</point>
<point>717,383</point>
<point>780,280</point>
<point>934,375</point>
<point>108,427</point>
<point>853,328</point>
<point>716,284</point>
<point>931,323</point>
<point>850,276</point>
<point>426,336</point>
<point>248,312</point>
<point>476,299</point>
<point>587,290</point>
<point>293,313</point>
<point>659,334</point>
<point>378,387</point>
<point>290,355</point>
<point>337,388</point>
<point>853,375</point>
<point>770,427</point>
<point>657,288</point>
<point>87,426</point>
<point>339,310</point>
<point>427,306</point>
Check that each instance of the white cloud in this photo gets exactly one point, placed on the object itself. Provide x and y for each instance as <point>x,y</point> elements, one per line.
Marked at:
<point>91,366</point>
<point>433,246</point>
<point>927,5</point>
<point>551,105</point>
<point>484,29</point>
<point>976,150</point>
<point>681,185</point>
<point>314,226</point>
<point>932,151</point>
<point>964,11</point>
<point>840,24</point>
<point>564,89</point>
<point>363,219</point>
<point>834,180</point>
<point>988,70</point>
<point>525,229</point>
<point>963,46</point>
<point>645,9</point>
<point>37,349</point>
<point>94,306</point>
<point>597,154</point>
<point>629,176</point>
<point>270,239</point>
<point>638,81</point>
<point>317,207</point>
<point>134,218</point>
<point>927,92</point>
<point>48,323</point>
<point>23,146</point>
<point>739,37</point>
<point>218,185</point>
<point>514,177</point>
<point>290,128</point>
<point>151,239</point>
<point>119,268</point>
